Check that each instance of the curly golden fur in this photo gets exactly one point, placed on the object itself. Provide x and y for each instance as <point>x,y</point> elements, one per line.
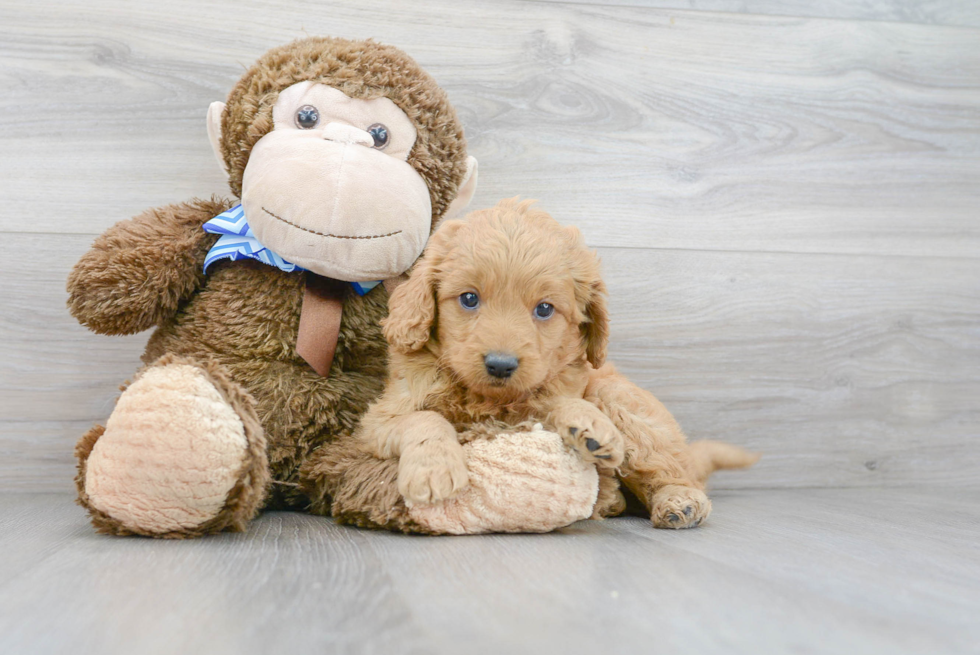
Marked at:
<point>539,304</point>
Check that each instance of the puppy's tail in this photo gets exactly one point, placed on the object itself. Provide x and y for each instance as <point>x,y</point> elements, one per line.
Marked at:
<point>705,457</point>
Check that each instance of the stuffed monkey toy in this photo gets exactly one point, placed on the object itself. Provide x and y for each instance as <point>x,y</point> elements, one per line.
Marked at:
<point>342,156</point>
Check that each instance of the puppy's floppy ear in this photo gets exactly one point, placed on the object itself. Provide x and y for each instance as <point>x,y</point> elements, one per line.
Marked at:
<point>596,329</point>
<point>412,306</point>
<point>590,292</point>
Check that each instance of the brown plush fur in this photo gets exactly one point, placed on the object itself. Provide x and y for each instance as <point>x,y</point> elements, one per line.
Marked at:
<point>513,257</point>
<point>240,321</point>
<point>356,488</point>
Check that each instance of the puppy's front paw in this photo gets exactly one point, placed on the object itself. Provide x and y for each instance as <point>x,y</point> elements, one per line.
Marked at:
<point>595,436</point>
<point>432,471</point>
<point>678,507</point>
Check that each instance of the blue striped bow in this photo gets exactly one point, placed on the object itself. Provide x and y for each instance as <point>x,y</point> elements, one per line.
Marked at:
<point>238,241</point>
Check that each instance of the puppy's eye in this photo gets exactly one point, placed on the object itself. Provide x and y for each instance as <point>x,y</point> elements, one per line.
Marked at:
<point>307,117</point>
<point>379,133</point>
<point>469,300</point>
<point>544,311</point>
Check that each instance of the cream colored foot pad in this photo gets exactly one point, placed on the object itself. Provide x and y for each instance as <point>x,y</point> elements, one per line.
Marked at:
<point>171,453</point>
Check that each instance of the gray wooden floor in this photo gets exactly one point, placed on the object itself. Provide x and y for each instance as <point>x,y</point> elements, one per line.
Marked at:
<point>785,197</point>
<point>775,571</point>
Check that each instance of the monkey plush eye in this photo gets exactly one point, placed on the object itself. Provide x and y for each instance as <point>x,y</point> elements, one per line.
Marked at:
<point>307,117</point>
<point>469,300</point>
<point>379,133</point>
<point>544,311</point>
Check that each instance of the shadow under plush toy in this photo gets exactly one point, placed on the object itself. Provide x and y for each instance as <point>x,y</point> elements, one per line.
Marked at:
<point>502,327</point>
<point>344,155</point>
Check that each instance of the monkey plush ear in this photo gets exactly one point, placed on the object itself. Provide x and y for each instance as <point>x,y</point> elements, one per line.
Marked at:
<point>412,306</point>
<point>467,188</point>
<point>214,131</point>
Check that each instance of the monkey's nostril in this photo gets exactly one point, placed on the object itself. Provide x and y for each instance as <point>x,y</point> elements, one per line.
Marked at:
<point>500,365</point>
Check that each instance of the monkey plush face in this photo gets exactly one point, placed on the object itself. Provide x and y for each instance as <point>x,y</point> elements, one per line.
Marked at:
<point>329,188</point>
<point>345,155</point>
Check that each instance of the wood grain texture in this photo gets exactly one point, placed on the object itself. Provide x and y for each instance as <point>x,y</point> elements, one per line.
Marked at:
<point>843,370</point>
<point>647,127</point>
<point>816,571</point>
<point>961,13</point>
<point>787,206</point>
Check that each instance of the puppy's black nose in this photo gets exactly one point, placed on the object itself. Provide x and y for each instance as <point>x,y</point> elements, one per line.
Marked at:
<point>500,365</point>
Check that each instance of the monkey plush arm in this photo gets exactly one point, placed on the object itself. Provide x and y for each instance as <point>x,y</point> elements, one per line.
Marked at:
<point>140,270</point>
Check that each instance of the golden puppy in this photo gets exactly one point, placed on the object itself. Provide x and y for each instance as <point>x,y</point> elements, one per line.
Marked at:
<point>503,321</point>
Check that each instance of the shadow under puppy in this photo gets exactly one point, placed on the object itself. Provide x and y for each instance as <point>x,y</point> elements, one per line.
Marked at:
<point>503,322</point>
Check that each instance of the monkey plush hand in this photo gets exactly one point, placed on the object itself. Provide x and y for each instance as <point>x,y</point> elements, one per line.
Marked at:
<point>343,155</point>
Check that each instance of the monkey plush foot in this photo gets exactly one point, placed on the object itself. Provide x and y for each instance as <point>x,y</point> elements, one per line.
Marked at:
<point>182,455</point>
<point>519,481</point>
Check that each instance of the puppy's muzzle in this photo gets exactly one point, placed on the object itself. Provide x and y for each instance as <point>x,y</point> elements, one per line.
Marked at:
<point>500,365</point>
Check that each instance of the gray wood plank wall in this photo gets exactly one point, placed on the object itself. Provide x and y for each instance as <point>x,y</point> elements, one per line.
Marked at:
<point>785,195</point>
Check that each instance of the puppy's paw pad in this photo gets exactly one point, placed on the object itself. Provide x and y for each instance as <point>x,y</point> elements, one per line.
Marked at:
<point>678,507</point>
<point>585,428</point>
<point>598,440</point>
<point>683,517</point>
<point>432,481</point>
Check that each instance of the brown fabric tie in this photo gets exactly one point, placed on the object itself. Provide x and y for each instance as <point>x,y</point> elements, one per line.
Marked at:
<point>319,321</point>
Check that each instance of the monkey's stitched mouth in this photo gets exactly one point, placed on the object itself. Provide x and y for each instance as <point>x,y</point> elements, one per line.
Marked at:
<point>323,234</point>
